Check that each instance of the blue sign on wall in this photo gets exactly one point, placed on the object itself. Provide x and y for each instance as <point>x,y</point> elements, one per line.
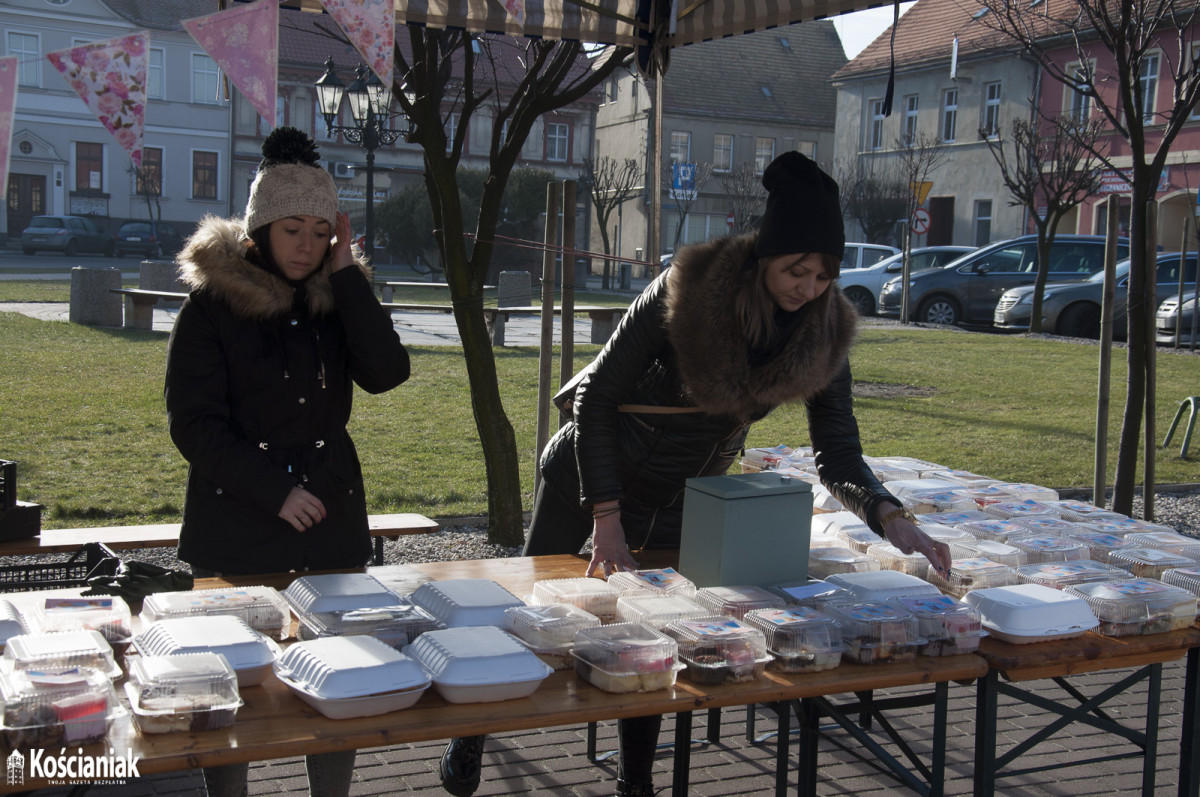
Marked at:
<point>683,180</point>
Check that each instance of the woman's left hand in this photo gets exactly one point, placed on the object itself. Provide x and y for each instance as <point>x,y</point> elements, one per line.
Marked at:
<point>906,536</point>
<point>341,254</point>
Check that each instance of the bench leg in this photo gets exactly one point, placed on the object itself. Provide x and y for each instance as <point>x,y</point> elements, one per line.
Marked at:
<point>139,314</point>
<point>495,324</point>
<point>386,292</point>
<point>603,324</point>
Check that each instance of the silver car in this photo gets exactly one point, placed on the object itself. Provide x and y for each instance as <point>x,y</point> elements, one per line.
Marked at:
<point>1073,308</point>
<point>1173,313</point>
<point>861,285</point>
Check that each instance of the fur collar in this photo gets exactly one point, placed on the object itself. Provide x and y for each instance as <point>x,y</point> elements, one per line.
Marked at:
<point>215,260</point>
<point>712,349</point>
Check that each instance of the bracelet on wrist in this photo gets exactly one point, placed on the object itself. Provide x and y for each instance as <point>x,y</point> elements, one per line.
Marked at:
<point>897,513</point>
<point>606,511</point>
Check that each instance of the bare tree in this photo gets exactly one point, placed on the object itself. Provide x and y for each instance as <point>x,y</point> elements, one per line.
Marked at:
<point>743,185</point>
<point>685,192</point>
<point>610,185</point>
<point>148,185</point>
<point>919,157</point>
<point>873,194</point>
<point>1051,170</point>
<point>1100,49</point>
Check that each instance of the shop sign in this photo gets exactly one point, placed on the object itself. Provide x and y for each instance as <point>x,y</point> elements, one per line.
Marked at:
<point>1117,182</point>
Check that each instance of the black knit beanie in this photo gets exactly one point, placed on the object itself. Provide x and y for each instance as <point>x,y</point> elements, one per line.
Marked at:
<point>803,212</point>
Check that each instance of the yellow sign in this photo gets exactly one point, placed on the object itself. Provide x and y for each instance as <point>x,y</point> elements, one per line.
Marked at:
<point>921,191</point>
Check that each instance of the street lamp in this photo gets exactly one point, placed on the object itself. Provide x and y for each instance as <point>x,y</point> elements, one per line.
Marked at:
<point>370,107</point>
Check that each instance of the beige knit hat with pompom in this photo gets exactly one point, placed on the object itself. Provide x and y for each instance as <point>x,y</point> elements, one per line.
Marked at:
<point>289,182</point>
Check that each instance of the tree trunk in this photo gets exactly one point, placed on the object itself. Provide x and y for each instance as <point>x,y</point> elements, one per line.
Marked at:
<point>1039,282</point>
<point>1125,478</point>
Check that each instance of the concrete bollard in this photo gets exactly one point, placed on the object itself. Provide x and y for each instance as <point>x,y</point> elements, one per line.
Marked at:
<point>92,300</point>
<point>513,290</point>
<point>161,275</point>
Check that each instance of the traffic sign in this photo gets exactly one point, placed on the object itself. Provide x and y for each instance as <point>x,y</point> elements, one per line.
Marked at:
<point>921,190</point>
<point>730,220</point>
<point>920,221</point>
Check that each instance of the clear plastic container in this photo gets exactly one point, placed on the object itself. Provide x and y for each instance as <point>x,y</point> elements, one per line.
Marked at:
<point>331,592</point>
<point>906,487</point>
<point>891,558</point>
<point>108,614</point>
<point>1049,525</point>
<point>824,501</point>
<point>657,610</point>
<point>57,708</point>
<point>1080,511</point>
<point>970,574</point>
<point>1050,548</point>
<point>994,529</point>
<point>1171,541</point>
<point>189,693</point>
<point>799,639</point>
<point>1123,525</point>
<point>736,601</point>
<point>765,458</point>
<point>823,540</point>
<point>921,466</point>
<point>395,626</point>
<point>400,580</point>
<point>813,593</point>
<point>963,477</point>
<point>877,632</point>
<point>832,522</point>
<point>1186,577</point>
<point>946,534</point>
<point>11,622</point>
<point>949,627</point>
<point>1019,509</point>
<point>263,608</point>
<point>248,652</point>
<point>351,676</point>
<point>1148,562</point>
<point>1031,492</point>
<point>549,631</point>
<point>719,649</point>
<point>999,552</point>
<point>923,502</point>
<point>590,594</point>
<point>626,657</point>
<point>881,585</point>
<point>62,650</point>
<point>954,518</point>
<point>857,538</point>
<point>1064,574</point>
<point>987,495</point>
<point>1099,544</point>
<point>824,562</point>
<point>1138,606</point>
<point>462,602</point>
<point>478,664</point>
<point>1024,613</point>
<point>891,472</point>
<point>664,581</point>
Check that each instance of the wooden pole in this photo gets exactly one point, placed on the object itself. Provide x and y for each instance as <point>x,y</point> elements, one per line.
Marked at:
<point>567,355</point>
<point>1183,250</point>
<point>1099,474</point>
<point>546,347</point>
<point>1149,445</point>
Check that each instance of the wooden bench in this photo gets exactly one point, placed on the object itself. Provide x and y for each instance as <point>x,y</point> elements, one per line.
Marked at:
<point>604,319</point>
<point>166,535</point>
<point>386,287</point>
<point>139,305</point>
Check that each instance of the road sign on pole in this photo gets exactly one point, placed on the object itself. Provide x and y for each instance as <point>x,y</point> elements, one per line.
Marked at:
<point>920,221</point>
<point>921,191</point>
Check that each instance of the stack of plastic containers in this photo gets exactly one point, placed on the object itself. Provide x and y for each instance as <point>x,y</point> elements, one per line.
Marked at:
<point>57,708</point>
<point>1148,562</point>
<point>594,596</point>
<point>263,608</point>
<point>799,639</point>
<point>1027,613</point>
<point>193,692</point>
<point>1049,548</point>
<point>877,632</point>
<point>948,627</point>
<point>664,581</point>
<point>1138,606</point>
<point>719,649</point>
<point>480,664</point>
<point>396,625</point>
<point>61,651</point>
<point>549,631</point>
<point>656,611</point>
<point>824,562</point>
<point>1064,574</point>
<point>969,574</point>
<point>626,657</point>
<point>353,676</point>
<point>248,652</point>
<point>996,551</point>
<point>107,614</point>
<point>465,602</point>
<point>736,601</point>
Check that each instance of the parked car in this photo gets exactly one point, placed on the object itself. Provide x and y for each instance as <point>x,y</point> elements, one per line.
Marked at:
<point>967,290</point>
<point>863,255</point>
<point>1073,308</point>
<point>151,239</point>
<point>1174,313</point>
<point>70,235</point>
<point>861,285</point>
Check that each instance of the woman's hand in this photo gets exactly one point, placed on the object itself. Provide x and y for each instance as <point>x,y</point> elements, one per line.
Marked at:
<point>341,255</point>
<point>609,550</point>
<point>906,536</point>
<point>302,509</point>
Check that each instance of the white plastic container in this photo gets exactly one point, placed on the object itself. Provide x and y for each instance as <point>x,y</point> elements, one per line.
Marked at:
<point>1025,613</point>
<point>736,601</point>
<point>719,649</point>
<point>999,552</point>
<point>549,631</point>
<point>832,522</point>
<point>351,676</point>
<point>401,580</point>
<point>1138,606</point>
<point>663,581</point>
<point>970,574</point>
<point>1019,509</point>
<point>1049,548</point>
<point>877,632</point>
<point>466,602</point>
<point>263,608</point>
<point>11,622</point>
<point>188,693</point>
<point>478,664</point>
<point>881,585</point>
<point>396,625</point>
<point>922,502</point>
<point>994,529</point>
<point>1148,562</point>
<point>798,638</point>
<point>656,611</point>
<point>891,558</point>
<point>949,627</point>
<point>248,652</point>
<point>1064,574</point>
<point>56,709</point>
<point>332,592</point>
<point>592,595</point>
<point>824,562</point>
<point>108,614</point>
<point>1171,541</point>
<point>626,657</point>
<point>61,651</point>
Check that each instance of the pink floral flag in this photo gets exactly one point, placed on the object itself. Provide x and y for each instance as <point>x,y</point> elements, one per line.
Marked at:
<point>244,41</point>
<point>110,78</point>
<point>8,106</point>
<point>370,25</point>
<point>516,10</point>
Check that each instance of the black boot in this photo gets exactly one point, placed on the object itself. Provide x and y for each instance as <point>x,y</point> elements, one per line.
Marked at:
<point>461,765</point>
<point>627,789</point>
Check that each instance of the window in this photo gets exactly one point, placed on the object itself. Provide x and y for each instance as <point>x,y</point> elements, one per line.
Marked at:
<point>991,109</point>
<point>681,146</point>
<point>27,49</point>
<point>1080,109</point>
<point>149,179</point>
<point>154,75</point>
<point>206,80</point>
<point>1148,83</point>
<point>89,166</point>
<point>911,104</point>
<point>876,134</point>
<point>612,88</point>
<point>983,222</point>
<point>451,130</point>
<point>722,152</point>
<point>204,175</point>
<point>949,114</point>
<point>557,136</point>
<point>807,148</point>
<point>764,153</point>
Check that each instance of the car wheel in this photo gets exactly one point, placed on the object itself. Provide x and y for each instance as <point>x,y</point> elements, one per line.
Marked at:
<point>861,299</point>
<point>1080,321</point>
<point>156,252</point>
<point>28,251</point>
<point>939,310</point>
<point>110,249</point>
<point>71,248</point>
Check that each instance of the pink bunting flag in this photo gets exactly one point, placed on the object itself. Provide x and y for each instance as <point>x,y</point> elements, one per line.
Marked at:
<point>370,25</point>
<point>110,78</point>
<point>8,107</point>
<point>244,41</point>
<point>516,10</point>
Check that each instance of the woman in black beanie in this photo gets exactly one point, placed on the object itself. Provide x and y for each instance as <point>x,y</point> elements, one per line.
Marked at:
<point>733,329</point>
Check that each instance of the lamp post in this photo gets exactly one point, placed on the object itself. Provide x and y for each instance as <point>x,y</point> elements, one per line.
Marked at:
<point>370,108</point>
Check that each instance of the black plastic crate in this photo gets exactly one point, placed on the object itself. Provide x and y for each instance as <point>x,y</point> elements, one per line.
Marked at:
<point>8,484</point>
<point>93,559</point>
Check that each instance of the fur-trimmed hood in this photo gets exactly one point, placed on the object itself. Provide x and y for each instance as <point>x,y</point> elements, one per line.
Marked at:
<point>215,260</point>
<point>712,350</point>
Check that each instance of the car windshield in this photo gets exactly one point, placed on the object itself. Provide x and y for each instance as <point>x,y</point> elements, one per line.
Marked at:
<point>46,221</point>
<point>1122,270</point>
<point>135,229</point>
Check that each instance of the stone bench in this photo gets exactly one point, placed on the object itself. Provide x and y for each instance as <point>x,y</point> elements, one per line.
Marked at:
<point>604,319</point>
<point>139,305</point>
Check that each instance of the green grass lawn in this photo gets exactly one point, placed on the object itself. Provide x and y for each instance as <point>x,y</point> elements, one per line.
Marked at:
<point>82,412</point>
